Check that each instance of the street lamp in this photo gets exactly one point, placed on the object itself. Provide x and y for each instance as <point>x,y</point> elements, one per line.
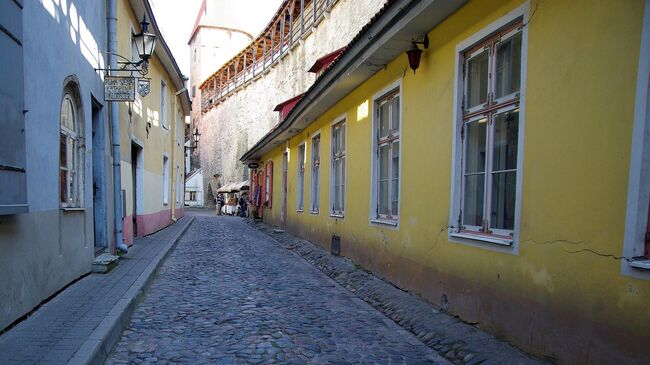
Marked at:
<point>145,43</point>
<point>414,53</point>
<point>196,136</point>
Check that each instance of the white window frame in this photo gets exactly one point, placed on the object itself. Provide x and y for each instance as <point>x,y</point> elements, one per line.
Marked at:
<point>75,156</point>
<point>165,178</point>
<point>268,171</point>
<point>490,242</point>
<point>179,129</point>
<point>179,185</point>
<point>163,104</point>
<point>375,219</point>
<point>300,175</point>
<point>638,194</point>
<point>314,184</point>
<point>342,119</point>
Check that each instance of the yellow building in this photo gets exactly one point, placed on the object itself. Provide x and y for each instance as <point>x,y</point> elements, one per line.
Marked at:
<point>505,180</point>
<point>152,132</point>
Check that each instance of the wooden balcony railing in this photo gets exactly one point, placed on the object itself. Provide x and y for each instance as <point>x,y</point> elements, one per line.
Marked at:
<point>294,21</point>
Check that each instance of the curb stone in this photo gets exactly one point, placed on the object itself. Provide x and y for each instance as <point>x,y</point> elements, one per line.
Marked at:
<point>102,340</point>
<point>458,342</point>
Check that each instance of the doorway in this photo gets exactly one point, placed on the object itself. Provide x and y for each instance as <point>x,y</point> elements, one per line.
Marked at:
<point>283,212</point>
<point>136,184</point>
<point>100,197</point>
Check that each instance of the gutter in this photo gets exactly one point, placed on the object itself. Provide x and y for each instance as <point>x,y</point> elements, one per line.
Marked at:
<point>417,17</point>
<point>332,75</point>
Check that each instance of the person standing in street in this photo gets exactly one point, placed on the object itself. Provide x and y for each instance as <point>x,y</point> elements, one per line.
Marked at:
<point>243,205</point>
<point>219,203</point>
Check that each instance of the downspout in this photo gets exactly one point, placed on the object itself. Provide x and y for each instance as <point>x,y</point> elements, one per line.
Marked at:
<point>174,139</point>
<point>175,173</point>
<point>115,131</point>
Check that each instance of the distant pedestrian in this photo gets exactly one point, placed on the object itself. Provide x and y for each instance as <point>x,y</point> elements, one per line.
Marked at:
<point>243,205</point>
<point>219,203</point>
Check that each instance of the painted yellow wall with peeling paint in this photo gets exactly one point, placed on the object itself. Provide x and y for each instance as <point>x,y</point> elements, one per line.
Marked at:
<point>560,293</point>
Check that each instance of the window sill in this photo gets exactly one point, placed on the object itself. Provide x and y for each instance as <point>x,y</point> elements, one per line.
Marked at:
<point>73,209</point>
<point>640,264</point>
<point>300,210</point>
<point>336,215</point>
<point>485,238</point>
<point>315,212</point>
<point>385,222</point>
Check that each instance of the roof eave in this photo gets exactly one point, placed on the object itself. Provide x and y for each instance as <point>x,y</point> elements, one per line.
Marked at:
<point>386,38</point>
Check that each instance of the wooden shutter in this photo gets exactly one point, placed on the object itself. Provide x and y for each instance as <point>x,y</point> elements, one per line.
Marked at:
<point>270,165</point>
<point>13,182</point>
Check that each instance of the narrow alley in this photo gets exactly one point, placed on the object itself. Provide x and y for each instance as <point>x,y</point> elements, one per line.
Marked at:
<point>229,294</point>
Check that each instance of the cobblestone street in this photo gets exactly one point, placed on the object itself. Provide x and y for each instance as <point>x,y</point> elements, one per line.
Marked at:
<point>229,294</point>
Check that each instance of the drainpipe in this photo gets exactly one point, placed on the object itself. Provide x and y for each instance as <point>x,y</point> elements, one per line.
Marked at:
<point>174,138</point>
<point>115,131</point>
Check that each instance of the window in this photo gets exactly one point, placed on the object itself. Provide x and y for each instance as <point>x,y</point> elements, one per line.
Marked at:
<point>163,104</point>
<point>300,192</point>
<point>488,158</point>
<point>165,177</point>
<point>179,185</point>
<point>70,154</point>
<point>337,182</point>
<point>191,196</point>
<point>636,247</point>
<point>386,170</point>
<point>268,186</point>
<point>315,174</point>
<point>179,127</point>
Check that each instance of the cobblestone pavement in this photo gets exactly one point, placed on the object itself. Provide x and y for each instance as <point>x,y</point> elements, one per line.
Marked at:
<point>229,294</point>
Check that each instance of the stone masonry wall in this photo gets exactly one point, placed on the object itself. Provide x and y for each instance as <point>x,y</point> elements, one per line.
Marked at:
<point>238,122</point>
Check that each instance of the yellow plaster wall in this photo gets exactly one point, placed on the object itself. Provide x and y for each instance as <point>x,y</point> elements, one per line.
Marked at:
<point>581,79</point>
<point>157,141</point>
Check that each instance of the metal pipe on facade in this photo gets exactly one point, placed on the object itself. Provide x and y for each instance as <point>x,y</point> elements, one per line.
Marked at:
<point>115,131</point>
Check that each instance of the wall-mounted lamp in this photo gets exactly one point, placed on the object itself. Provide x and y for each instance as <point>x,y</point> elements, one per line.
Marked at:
<point>145,43</point>
<point>414,53</point>
<point>194,143</point>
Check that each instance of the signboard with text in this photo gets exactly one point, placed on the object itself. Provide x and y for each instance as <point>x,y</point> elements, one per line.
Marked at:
<point>119,88</point>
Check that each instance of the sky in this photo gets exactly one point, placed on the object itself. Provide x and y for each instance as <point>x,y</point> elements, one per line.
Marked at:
<point>176,19</point>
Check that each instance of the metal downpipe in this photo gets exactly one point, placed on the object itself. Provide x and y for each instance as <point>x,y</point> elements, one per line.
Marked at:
<point>115,131</point>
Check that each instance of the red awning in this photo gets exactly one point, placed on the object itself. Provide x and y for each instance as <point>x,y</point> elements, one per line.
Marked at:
<point>324,62</point>
<point>285,107</point>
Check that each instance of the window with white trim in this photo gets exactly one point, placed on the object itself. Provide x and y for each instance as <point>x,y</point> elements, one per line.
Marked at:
<point>636,246</point>
<point>387,156</point>
<point>70,154</point>
<point>300,192</point>
<point>314,196</point>
<point>337,183</point>
<point>179,185</point>
<point>179,127</point>
<point>163,104</point>
<point>489,136</point>
<point>165,182</point>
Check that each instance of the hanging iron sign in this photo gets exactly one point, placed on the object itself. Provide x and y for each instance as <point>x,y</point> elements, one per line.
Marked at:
<point>119,88</point>
<point>144,86</point>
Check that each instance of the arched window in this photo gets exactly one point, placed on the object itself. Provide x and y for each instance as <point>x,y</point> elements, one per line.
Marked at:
<point>70,155</point>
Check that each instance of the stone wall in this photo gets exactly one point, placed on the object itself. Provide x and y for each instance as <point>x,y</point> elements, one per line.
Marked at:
<point>233,126</point>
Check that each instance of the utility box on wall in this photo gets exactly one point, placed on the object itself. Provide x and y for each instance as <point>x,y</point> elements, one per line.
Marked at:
<point>335,248</point>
